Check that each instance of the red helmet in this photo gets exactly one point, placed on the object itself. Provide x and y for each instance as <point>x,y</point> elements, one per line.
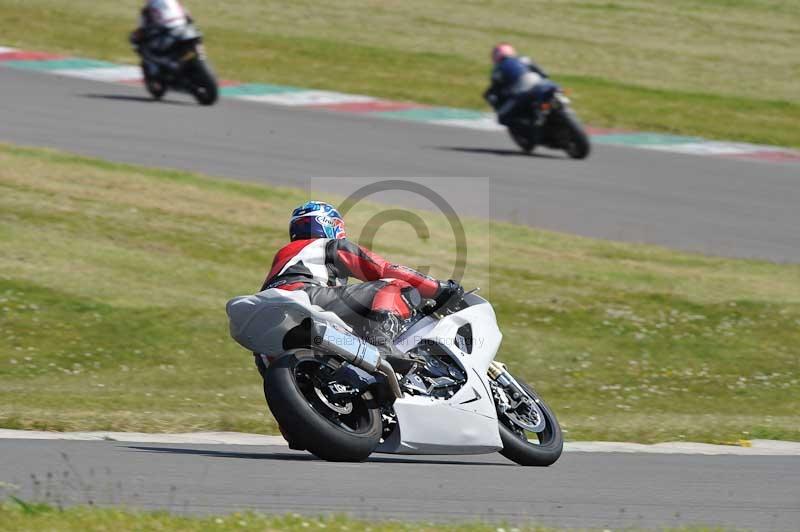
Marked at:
<point>501,51</point>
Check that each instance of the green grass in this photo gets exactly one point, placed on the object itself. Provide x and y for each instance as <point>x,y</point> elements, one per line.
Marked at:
<point>113,281</point>
<point>23,516</point>
<point>717,68</point>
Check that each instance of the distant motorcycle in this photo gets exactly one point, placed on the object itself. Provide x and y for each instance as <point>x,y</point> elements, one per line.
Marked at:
<point>550,121</point>
<point>183,68</point>
<point>335,395</point>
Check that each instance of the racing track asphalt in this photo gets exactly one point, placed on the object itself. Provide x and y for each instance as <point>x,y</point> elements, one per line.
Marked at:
<point>607,490</point>
<point>706,204</point>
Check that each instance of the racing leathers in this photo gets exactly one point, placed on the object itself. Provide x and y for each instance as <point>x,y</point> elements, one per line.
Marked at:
<point>512,81</point>
<point>160,24</point>
<point>375,308</point>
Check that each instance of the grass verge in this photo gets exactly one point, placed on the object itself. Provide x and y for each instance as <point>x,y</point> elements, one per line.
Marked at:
<point>28,517</point>
<point>722,69</point>
<point>113,281</point>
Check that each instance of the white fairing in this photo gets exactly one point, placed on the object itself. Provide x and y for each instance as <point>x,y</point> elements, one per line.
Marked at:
<point>467,422</point>
<point>254,319</point>
<point>433,426</point>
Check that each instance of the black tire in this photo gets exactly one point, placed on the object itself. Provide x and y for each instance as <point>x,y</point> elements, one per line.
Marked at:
<point>203,84</point>
<point>516,446</point>
<point>572,137</point>
<point>154,86</point>
<point>305,420</point>
<point>521,139</point>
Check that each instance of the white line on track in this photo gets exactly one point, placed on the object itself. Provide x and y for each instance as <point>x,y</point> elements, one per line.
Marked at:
<point>484,124</point>
<point>230,438</point>
<point>714,148</point>
<point>750,448</point>
<point>309,97</point>
<point>753,448</point>
<point>110,75</point>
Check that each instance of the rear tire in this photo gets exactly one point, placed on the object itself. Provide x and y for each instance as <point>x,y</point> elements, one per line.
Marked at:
<point>308,423</point>
<point>516,446</point>
<point>203,83</point>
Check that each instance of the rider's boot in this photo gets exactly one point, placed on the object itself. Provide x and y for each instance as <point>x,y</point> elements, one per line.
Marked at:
<point>382,332</point>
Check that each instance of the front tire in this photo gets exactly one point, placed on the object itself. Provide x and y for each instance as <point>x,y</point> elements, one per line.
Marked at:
<point>312,422</point>
<point>521,139</point>
<point>516,446</point>
<point>156,87</point>
<point>203,83</point>
<point>572,137</point>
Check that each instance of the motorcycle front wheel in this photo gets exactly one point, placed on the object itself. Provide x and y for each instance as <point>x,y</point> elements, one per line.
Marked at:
<point>156,87</point>
<point>518,448</point>
<point>521,138</point>
<point>572,138</point>
<point>203,83</point>
<point>296,386</point>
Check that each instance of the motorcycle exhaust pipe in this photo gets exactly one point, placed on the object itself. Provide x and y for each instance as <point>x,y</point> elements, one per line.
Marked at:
<point>387,371</point>
<point>346,345</point>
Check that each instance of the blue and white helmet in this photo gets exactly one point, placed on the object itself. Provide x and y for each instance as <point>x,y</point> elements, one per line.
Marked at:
<point>316,219</point>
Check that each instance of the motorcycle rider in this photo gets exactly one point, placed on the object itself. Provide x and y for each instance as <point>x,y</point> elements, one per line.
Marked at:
<point>319,259</point>
<point>513,79</point>
<point>160,24</point>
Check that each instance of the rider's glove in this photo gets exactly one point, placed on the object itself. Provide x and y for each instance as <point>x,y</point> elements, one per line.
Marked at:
<point>448,291</point>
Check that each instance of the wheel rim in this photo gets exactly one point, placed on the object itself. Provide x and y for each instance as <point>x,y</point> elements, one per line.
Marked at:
<point>341,409</point>
<point>515,423</point>
<point>544,437</point>
<point>311,377</point>
<point>530,419</point>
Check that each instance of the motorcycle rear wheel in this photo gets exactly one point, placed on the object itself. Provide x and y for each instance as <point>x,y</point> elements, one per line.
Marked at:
<point>516,446</point>
<point>313,422</point>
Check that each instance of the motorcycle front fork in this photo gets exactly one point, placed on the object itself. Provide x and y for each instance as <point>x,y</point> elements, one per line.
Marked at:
<point>498,372</point>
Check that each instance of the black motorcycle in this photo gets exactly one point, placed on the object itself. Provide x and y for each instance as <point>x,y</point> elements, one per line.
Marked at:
<point>183,67</point>
<point>547,119</point>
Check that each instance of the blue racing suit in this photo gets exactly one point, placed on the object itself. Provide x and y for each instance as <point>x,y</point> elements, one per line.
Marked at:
<point>512,79</point>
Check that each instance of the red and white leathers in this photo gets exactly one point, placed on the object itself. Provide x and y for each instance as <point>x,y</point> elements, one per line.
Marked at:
<point>322,266</point>
<point>165,14</point>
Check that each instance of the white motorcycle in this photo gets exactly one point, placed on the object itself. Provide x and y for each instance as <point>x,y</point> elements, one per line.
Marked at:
<point>334,395</point>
